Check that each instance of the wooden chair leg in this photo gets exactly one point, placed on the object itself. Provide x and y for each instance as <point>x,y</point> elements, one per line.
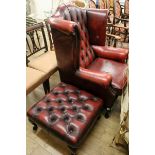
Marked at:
<point>46,86</point>
<point>35,127</point>
<point>73,150</point>
<point>115,42</point>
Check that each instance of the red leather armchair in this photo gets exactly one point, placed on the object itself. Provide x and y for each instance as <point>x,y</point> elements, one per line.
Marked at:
<point>82,57</point>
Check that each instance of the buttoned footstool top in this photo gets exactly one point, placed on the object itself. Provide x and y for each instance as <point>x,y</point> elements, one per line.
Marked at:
<point>66,112</point>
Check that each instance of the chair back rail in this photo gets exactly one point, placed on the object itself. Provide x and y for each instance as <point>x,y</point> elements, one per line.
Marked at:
<point>35,39</point>
<point>49,34</point>
<point>99,4</point>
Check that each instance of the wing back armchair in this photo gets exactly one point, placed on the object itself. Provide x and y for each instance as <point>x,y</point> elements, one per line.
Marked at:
<point>82,57</point>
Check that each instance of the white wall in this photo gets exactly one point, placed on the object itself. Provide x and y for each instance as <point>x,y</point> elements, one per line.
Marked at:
<point>41,9</point>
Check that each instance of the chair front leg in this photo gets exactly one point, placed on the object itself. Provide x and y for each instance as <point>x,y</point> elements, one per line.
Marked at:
<point>46,86</point>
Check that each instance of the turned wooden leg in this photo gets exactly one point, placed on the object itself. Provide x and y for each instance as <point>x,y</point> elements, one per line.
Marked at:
<point>35,127</point>
<point>73,150</point>
<point>46,86</point>
<point>115,41</point>
<point>108,110</point>
<point>98,117</point>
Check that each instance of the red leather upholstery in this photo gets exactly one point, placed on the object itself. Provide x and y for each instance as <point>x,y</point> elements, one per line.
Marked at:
<point>98,77</point>
<point>97,23</point>
<point>119,54</point>
<point>118,71</point>
<point>67,112</point>
<point>80,17</point>
<point>83,59</point>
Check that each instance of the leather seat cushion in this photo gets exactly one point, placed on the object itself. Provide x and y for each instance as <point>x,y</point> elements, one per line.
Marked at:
<point>46,63</point>
<point>67,112</point>
<point>116,69</point>
<point>33,79</point>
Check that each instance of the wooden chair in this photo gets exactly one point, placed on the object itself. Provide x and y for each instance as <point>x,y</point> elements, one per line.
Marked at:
<point>98,4</point>
<point>112,39</point>
<point>38,56</point>
<point>102,4</point>
<point>126,10</point>
<point>120,25</point>
<point>48,28</point>
<point>34,78</point>
<point>30,21</point>
<point>109,6</point>
<point>91,4</point>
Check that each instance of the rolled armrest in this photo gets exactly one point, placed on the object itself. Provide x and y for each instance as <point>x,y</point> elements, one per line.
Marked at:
<point>101,78</point>
<point>62,25</point>
<point>119,54</point>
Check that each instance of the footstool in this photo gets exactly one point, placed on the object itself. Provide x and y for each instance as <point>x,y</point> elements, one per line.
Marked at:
<point>67,112</point>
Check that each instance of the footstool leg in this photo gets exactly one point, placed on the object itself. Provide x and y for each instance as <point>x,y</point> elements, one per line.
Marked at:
<point>108,110</point>
<point>73,150</point>
<point>46,86</point>
<point>35,127</point>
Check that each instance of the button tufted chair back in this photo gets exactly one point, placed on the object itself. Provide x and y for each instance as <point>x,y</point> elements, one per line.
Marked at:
<point>78,15</point>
